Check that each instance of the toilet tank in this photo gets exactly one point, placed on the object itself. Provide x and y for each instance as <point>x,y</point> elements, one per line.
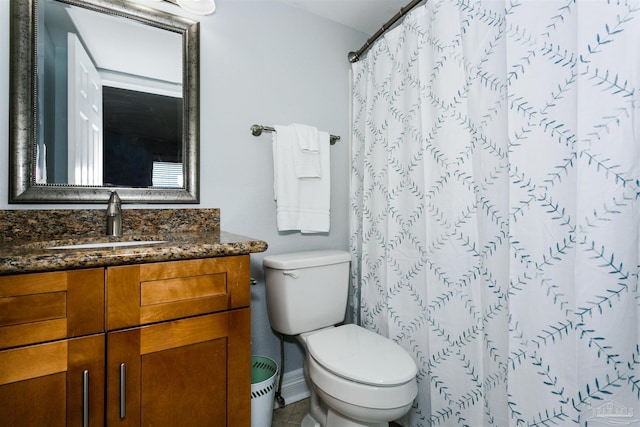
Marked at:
<point>306,290</point>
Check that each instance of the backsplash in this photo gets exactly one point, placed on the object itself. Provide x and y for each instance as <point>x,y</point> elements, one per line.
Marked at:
<point>40,225</point>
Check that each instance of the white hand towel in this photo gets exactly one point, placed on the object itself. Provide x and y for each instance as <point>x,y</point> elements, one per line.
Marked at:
<point>301,204</point>
<point>307,138</point>
<point>306,159</point>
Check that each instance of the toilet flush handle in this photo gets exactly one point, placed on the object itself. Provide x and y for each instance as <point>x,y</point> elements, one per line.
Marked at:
<point>293,273</point>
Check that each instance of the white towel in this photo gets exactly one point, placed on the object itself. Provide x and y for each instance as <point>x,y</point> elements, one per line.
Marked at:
<point>301,203</point>
<point>306,159</point>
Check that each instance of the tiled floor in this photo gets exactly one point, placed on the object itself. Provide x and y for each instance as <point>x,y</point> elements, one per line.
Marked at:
<point>292,415</point>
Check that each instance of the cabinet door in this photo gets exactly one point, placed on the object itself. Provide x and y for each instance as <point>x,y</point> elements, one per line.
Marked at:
<point>188,372</point>
<point>155,292</point>
<point>56,384</point>
<point>43,307</point>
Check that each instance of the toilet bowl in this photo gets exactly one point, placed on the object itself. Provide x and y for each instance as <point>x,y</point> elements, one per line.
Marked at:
<point>356,377</point>
<point>364,378</point>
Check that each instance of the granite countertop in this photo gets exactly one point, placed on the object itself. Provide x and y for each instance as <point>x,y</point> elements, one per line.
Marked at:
<point>184,234</point>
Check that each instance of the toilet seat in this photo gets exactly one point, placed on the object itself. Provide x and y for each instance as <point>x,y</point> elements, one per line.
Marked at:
<point>359,397</point>
<point>359,374</point>
<point>360,355</point>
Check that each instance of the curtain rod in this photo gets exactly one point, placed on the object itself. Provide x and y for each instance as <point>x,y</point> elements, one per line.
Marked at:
<point>355,56</point>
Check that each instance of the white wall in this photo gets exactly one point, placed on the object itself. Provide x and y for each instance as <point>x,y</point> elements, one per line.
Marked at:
<point>260,62</point>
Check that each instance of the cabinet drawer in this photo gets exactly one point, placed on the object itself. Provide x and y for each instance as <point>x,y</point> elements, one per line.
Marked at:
<point>48,306</point>
<point>149,293</point>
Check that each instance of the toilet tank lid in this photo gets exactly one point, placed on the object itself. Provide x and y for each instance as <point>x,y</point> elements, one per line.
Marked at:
<point>306,259</point>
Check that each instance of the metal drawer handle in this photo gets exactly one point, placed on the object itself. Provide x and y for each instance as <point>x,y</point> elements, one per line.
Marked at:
<point>85,398</point>
<point>123,403</point>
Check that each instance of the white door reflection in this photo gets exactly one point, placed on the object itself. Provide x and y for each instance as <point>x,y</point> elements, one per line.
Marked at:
<point>84,162</point>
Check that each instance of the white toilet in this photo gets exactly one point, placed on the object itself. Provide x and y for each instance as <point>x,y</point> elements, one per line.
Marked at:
<point>356,377</point>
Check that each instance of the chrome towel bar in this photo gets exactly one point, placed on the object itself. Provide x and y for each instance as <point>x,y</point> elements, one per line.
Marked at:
<point>256,130</point>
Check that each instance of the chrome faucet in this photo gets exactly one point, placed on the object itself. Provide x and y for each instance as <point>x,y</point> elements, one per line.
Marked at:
<point>114,216</point>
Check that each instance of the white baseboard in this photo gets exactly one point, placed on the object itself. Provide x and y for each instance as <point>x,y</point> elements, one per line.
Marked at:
<point>294,387</point>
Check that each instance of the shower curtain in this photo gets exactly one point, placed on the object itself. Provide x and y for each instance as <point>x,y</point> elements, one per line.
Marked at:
<point>495,210</point>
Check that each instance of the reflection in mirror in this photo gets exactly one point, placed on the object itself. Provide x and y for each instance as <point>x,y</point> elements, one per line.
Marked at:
<point>142,139</point>
<point>122,107</point>
<point>114,94</point>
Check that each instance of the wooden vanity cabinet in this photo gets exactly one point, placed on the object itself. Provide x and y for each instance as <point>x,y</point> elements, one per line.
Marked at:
<point>52,349</point>
<point>168,342</point>
<point>178,343</point>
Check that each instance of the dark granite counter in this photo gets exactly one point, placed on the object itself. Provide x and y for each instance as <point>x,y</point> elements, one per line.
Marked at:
<point>27,238</point>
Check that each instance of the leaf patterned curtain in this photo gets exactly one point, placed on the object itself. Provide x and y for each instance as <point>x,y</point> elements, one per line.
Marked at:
<point>495,215</point>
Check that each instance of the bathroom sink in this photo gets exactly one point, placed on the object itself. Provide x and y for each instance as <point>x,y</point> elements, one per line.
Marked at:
<point>108,244</point>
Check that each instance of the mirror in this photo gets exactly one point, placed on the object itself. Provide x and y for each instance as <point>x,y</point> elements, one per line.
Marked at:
<point>104,96</point>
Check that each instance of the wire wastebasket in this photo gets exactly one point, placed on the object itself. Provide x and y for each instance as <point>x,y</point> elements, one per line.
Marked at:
<point>264,372</point>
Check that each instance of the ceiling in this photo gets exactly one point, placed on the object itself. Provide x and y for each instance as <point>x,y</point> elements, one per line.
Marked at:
<point>363,15</point>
